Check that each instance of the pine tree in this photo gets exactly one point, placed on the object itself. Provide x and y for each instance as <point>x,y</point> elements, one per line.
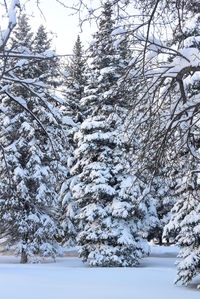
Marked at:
<point>21,41</point>
<point>75,81</point>
<point>152,193</point>
<point>162,197</point>
<point>73,91</point>
<point>110,215</point>
<point>27,181</point>
<point>184,224</point>
<point>47,69</point>
<point>45,105</point>
<point>22,37</point>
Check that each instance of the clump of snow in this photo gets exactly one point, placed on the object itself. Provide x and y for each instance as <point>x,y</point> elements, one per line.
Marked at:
<point>118,31</point>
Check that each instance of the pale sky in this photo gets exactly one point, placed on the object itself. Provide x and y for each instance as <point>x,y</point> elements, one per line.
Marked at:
<point>58,20</point>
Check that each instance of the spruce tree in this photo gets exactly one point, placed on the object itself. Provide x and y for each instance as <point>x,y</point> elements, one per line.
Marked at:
<point>130,91</point>
<point>22,37</point>
<point>45,106</point>
<point>47,69</point>
<point>75,81</point>
<point>109,212</point>
<point>162,197</point>
<point>184,224</point>
<point>27,180</point>
<point>73,91</point>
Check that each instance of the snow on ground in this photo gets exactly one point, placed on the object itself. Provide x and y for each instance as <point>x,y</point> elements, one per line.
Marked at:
<point>70,278</point>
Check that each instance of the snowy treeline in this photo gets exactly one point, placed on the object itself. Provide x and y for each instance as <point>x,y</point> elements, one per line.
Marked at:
<point>102,151</point>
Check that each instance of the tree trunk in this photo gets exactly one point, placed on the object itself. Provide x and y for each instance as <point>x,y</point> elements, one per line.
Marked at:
<point>24,257</point>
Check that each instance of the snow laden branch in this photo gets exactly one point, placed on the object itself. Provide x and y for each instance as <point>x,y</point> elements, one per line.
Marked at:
<point>22,103</point>
<point>12,20</point>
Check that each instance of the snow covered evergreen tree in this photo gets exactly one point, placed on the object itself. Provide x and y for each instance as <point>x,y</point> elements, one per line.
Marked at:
<point>153,193</point>
<point>75,81</point>
<point>162,197</point>
<point>22,36</point>
<point>27,190</point>
<point>110,214</point>
<point>185,223</point>
<point>47,69</point>
<point>46,106</point>
<point>73,91</point>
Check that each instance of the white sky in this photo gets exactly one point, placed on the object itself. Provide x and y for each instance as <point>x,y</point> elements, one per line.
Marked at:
<point>58,20</point>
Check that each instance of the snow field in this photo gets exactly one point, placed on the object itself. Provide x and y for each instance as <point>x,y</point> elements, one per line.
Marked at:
<point>70,278</point>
